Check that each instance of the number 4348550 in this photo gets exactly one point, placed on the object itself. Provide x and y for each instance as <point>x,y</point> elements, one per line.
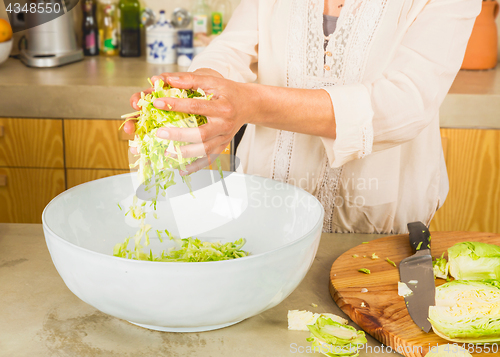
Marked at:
<point>34,8</point>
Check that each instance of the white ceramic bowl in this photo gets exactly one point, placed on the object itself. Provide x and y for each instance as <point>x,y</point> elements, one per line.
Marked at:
<point>5,48</point>
<point>281,223</point>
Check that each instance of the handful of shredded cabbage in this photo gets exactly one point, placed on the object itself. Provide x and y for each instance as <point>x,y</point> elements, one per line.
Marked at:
<point>157,160</point>
<point>159,157</point>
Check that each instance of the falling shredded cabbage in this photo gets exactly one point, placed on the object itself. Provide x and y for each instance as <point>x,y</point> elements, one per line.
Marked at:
<point>335,339</point>
<point>158,158</point>
<point>467,311</point>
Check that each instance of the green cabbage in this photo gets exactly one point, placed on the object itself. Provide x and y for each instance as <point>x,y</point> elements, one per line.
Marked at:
<point>467,311</point>
<point>474,261</point>
<point>335,339</point>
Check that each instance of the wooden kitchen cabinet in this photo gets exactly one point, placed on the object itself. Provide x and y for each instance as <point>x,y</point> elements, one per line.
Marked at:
<point>31,143</point>
<point>473,164</point>
<point>95,144</point>
<point>78,176</point>
<point>24,193</point>
<point>31,167</point>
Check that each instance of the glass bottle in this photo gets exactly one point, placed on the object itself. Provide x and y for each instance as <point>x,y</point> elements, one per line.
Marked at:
<point>220,16</point>
<point>130,30</point>
<point>108,28</point>
<point>201,15</point>
<point>90,31</point>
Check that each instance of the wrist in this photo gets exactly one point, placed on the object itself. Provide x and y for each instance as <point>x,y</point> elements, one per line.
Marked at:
<point>255,102</point>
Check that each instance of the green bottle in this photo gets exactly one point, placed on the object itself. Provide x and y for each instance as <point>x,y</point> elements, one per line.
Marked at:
<point>220,15</point>
<point>130,30</point>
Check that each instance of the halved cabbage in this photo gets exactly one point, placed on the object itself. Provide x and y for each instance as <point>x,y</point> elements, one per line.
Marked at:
<point>467,311</point>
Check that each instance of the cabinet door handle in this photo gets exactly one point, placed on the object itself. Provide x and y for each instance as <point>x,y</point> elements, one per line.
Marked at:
<point>1,131</point>
<point>3,180</point>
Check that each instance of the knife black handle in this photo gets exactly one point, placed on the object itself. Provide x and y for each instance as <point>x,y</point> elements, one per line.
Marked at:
<point>420,237</point>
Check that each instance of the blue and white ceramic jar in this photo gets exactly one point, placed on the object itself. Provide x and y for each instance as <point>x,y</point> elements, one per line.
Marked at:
<point>161,42</point>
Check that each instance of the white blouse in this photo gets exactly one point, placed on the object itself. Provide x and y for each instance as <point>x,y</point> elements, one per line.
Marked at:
<point>387,68</point>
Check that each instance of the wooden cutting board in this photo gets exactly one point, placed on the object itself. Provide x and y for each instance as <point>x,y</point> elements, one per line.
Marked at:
<point>385,316</point>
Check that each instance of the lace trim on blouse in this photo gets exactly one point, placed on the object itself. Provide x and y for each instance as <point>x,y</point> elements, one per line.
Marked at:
<point>309,65</point>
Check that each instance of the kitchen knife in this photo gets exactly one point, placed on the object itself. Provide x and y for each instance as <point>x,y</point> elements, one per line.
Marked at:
<point>416,272</point>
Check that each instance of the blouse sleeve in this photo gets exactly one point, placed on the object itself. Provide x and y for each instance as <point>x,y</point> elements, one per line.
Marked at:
<point>396,107</point>
<point>234,51</point>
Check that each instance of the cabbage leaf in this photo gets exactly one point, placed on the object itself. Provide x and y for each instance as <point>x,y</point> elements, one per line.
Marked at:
<point>474,261</point>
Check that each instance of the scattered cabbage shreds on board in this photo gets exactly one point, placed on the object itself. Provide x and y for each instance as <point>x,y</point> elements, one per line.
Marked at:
<point>158,157</point>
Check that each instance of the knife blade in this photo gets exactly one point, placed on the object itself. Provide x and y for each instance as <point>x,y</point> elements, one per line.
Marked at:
<point>416,272</point>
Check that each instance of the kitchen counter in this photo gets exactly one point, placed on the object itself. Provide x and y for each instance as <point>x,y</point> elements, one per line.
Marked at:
<point>99,88</point>
<point>41,317</point>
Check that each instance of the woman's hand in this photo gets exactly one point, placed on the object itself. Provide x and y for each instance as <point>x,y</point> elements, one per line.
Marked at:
<point>306,111</point>
<point>232,105</point>
<point>129,126</point>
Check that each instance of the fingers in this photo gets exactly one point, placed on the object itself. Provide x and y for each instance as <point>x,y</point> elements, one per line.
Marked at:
<point>136,96</point>
<point>203,162</point>
<point>129,127</point>
<point>190,135</point>
<point>190,106</point>
<point>133,150</point>
<point>204,149</point>
<point>187,80</point>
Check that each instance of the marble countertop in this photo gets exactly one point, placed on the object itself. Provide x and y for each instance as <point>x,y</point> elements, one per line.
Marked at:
<point>41,317</point>
<point>100,87</point>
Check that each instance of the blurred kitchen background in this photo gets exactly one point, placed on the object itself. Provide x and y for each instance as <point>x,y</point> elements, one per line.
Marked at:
<point>59,121</point>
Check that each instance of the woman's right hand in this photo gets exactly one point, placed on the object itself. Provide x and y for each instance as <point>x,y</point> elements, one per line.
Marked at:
<point>129,126</point>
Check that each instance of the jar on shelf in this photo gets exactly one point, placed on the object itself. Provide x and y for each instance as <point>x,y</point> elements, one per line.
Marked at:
<point>161,42</point>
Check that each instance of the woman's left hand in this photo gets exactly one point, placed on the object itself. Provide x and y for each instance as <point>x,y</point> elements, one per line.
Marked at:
<point>232,105</point>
